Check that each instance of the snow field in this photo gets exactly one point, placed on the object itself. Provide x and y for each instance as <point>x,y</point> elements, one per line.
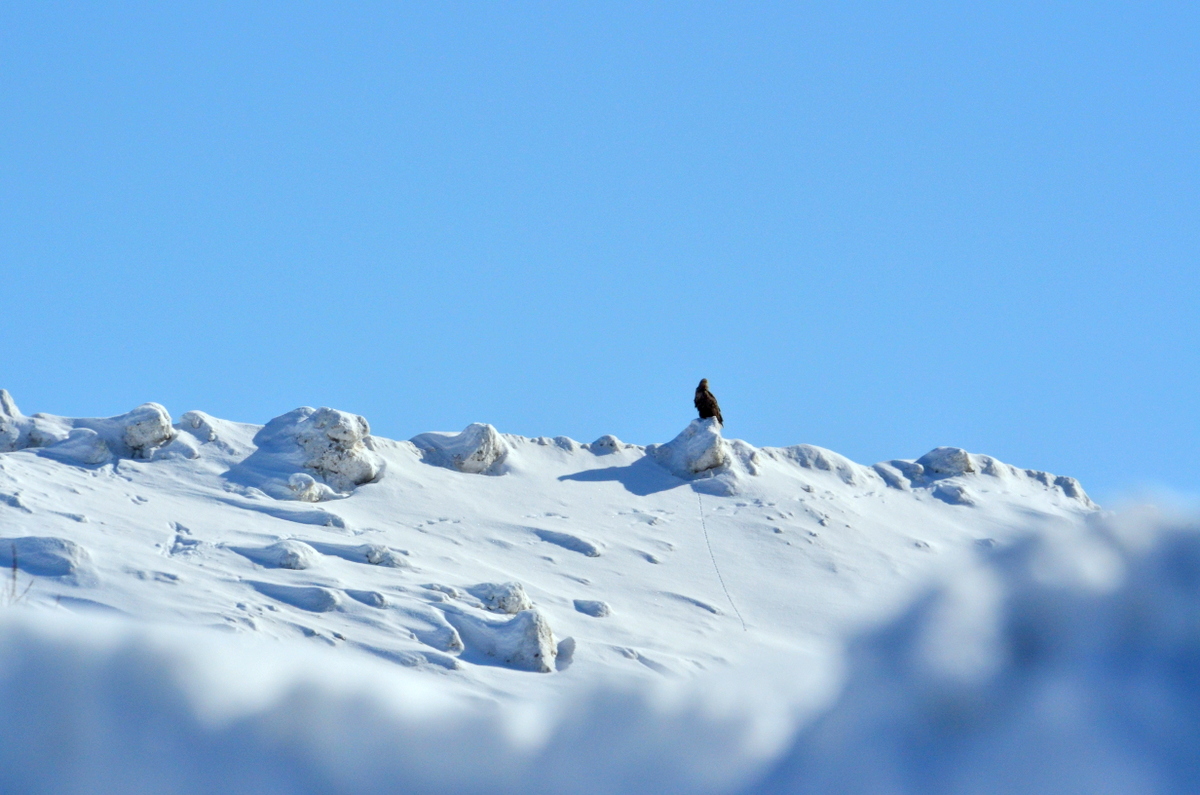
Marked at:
<point>600,617</point>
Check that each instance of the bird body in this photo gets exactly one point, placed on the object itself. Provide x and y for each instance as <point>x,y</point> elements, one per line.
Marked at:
<point>706,403</point>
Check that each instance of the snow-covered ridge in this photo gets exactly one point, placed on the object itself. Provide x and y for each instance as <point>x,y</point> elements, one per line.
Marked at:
<point>496,570</point>
<point>667,558</point>
<point>318,454</point>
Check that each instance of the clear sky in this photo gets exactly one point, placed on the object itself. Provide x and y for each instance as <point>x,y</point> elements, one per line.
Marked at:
<point>875,227</point>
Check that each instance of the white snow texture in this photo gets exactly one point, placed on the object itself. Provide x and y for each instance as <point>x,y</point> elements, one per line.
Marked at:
<point>388,622</point>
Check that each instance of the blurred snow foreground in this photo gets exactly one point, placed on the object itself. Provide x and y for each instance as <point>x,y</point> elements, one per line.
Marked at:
<point>1067,662</point>
<point>209,606</point>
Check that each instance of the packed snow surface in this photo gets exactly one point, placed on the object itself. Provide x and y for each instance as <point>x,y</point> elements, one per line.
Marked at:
<point>481,612</point>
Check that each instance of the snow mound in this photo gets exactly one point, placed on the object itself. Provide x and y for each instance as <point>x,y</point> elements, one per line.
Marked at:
<point>698,448</point>
<point>43,556</point>
<point>371,554</point>
<point>567,541</point>
<point>606,445</point>
<point>306,488</point>
<point>699,451</point>
<point>336,444</point>
<point>1064,663</point>
<point>807,456</point>
<point>81,446</point>
<point>333,445</point>
<point>593,608</point>
<point>14,427</point>
<point>147,428</point>
<point>504,597</point>
<point>947,461</point>
<point>287,554</point>
<point>140,433</point>
<point>948,472</point>
<point>478,450</point>
<point>312,598</point>
<point>523,642</point>
<point>954,494</point>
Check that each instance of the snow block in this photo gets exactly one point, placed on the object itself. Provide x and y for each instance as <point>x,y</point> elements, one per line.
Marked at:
<point>478,450</point>
<point>524,642</point>
<point>502,597</point>
<point>12,424</point>
<point>606,444</point>
<point>700,454</point>
<point>306,488</point>
<point>335,446</point>
<point>146,428</point>
<point>698,448</point>
<point>947,461</point>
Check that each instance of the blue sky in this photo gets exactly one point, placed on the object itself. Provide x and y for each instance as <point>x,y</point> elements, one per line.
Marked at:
<point>875,227</point>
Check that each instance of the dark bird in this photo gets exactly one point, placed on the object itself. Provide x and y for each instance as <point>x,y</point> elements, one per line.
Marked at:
<point>706,403</point>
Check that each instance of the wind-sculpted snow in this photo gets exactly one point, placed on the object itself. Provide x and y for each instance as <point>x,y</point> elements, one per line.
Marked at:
<point>140,433</point>
<point>502,597</point>
<point>699,451</point>
<point>296,449</point>
<point>478,450</point>
<point>287,554</point>
<point>42,556</point>
<point>1063,661</point>
<point>524,642</point>
<point>583,564</point>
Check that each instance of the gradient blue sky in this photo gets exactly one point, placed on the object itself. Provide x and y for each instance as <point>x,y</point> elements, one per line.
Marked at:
<point>875,227</point>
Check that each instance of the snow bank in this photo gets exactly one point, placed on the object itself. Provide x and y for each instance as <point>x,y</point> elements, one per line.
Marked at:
<point>479,449</point>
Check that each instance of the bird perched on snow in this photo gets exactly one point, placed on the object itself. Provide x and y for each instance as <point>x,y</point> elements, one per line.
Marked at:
<point>706,403</point>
